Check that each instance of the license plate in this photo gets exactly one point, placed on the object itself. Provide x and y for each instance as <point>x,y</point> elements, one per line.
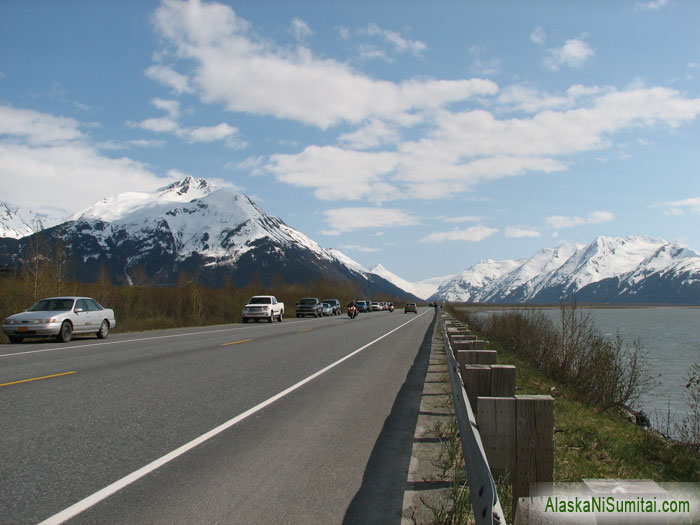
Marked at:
<point>22,329</point>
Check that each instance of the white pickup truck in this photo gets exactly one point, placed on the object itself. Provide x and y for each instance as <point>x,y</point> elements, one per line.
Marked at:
<point>263,307</point>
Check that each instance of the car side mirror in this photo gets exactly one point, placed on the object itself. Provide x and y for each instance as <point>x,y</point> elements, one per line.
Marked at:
<point>78,310</point>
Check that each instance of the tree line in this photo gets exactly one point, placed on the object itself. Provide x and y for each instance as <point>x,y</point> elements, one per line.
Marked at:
<point>145,306</point>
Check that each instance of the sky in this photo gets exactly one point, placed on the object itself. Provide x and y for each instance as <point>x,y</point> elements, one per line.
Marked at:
<point>425,136</point>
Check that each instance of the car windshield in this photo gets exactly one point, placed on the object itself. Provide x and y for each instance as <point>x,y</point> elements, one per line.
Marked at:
<point>361,303</point>
<point>328,304</point>
<point>308,301</point>
<point>52,305</point>
<point>260,300</point>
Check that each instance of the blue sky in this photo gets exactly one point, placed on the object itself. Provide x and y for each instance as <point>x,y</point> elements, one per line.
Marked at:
<point>424,136</point>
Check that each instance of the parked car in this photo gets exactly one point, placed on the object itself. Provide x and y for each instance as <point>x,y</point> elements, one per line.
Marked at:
<point>375,307</point>
<point>327,309</point>
<point>60,317</point>
<point>335,304</point>
<point>362,306</point>
<point>309,306</point>
<point>410,307</point>
<point>263,307</point>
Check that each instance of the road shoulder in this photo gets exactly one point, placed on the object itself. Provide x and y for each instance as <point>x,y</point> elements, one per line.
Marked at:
<point>428,486</point>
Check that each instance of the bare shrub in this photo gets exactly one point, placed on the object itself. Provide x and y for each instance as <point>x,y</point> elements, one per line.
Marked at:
<point>601,372</point>
<point>688,429</point>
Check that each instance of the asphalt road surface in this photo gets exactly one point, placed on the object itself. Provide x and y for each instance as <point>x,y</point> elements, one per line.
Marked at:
<point>304,421</point>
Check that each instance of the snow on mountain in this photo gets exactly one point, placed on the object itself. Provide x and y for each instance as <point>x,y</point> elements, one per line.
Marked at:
<point>350,263</point>
<point>603,258</point>
<point>16,223</point>
<point>473,284</point>
<point>117,207</point>
<point>524,280</point>
<point>214,222</point>
<point>605,270</point>
<point>422,289</point>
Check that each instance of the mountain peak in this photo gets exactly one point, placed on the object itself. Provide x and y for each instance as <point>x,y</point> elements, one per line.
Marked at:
<point>190,187</point>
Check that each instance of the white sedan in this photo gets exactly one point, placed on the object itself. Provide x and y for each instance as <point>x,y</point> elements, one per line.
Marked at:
<point>60,317</point>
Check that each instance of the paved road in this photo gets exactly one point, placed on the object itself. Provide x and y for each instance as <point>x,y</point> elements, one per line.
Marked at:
<point>305,421</point>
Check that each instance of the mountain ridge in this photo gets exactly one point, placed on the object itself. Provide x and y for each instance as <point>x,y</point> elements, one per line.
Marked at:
<point>195,226</point>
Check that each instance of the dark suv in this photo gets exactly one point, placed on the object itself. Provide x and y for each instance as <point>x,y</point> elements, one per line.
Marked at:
<point>309,306</point>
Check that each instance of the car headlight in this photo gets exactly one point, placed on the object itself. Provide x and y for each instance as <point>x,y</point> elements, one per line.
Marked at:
<point>44,321</point>
<point>10,321</point>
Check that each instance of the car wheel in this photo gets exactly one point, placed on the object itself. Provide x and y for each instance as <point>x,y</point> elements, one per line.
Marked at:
<point>280,317</point>
<point>271,318</point>
<point>65,333</point>
<point>104,330</point>
<point>14,339</point>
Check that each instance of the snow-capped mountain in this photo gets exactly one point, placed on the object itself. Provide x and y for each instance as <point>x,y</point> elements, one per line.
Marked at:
<point>195,226</point>
<point>16,223</point>
<point>422,289</point>
<point>608,270</point>
<point>472,285</point>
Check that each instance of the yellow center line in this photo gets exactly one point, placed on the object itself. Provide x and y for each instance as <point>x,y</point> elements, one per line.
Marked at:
<point>37,378</point>
<point>236,342</point>
<point>306,330</point>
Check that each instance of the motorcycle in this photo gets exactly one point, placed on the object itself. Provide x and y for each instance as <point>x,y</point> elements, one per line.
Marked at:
<point>391,308</point>
<point>352,312</point>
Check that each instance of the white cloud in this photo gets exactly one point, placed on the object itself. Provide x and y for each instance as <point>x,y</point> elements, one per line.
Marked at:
<point>170,124</point>
<point>373,134</point>
<point>517,233</point>
<point>538,36</point>
<point>650,6</point>
<point>466,148</point>
<point>348,219</point>
<point>596,217</point>
<point>680,207</point>
<point>232,67</point>
<point>399,43</point>
<point>38,128</point>
<point>169,77</point>
<point>573,53</point>
<point>473,234</point>
<point>300,29</point>
<point>457,220</point>
<point>357,248</point>
<point>51,156</point>
<point>335,173</point>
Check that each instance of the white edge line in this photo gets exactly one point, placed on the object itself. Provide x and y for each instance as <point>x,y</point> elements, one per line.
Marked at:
<point>118,485</point>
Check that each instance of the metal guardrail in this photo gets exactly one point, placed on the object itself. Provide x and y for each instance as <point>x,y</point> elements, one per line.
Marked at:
<point>485,504</point>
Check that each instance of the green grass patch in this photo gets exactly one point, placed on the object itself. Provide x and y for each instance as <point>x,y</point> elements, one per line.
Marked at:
<point>594,443</point>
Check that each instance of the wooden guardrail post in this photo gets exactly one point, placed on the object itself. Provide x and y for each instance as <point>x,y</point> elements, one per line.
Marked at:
<point>518,435</point>
<point>534,454</point>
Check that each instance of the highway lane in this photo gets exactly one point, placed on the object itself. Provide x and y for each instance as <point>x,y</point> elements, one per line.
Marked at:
<point>132,399</point>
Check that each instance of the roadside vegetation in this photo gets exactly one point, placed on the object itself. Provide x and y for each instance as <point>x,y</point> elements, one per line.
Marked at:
<point>593,382</point>
<point>144,306</point>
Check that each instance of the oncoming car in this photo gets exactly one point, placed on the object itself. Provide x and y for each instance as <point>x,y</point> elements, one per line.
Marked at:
<point>410,307</point>
<point>60,317</point>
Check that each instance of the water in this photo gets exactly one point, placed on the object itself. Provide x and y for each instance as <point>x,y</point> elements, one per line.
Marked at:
<point>669,335</point>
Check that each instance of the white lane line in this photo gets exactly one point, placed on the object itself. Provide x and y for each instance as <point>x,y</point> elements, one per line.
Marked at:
<point>115,487</point>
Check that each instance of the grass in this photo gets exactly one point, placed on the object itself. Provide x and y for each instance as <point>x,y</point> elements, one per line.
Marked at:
<point>594,443</point>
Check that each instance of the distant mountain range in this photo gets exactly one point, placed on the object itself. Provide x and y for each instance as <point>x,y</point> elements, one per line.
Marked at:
<point>631,270</point>
<point>195,226</point>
